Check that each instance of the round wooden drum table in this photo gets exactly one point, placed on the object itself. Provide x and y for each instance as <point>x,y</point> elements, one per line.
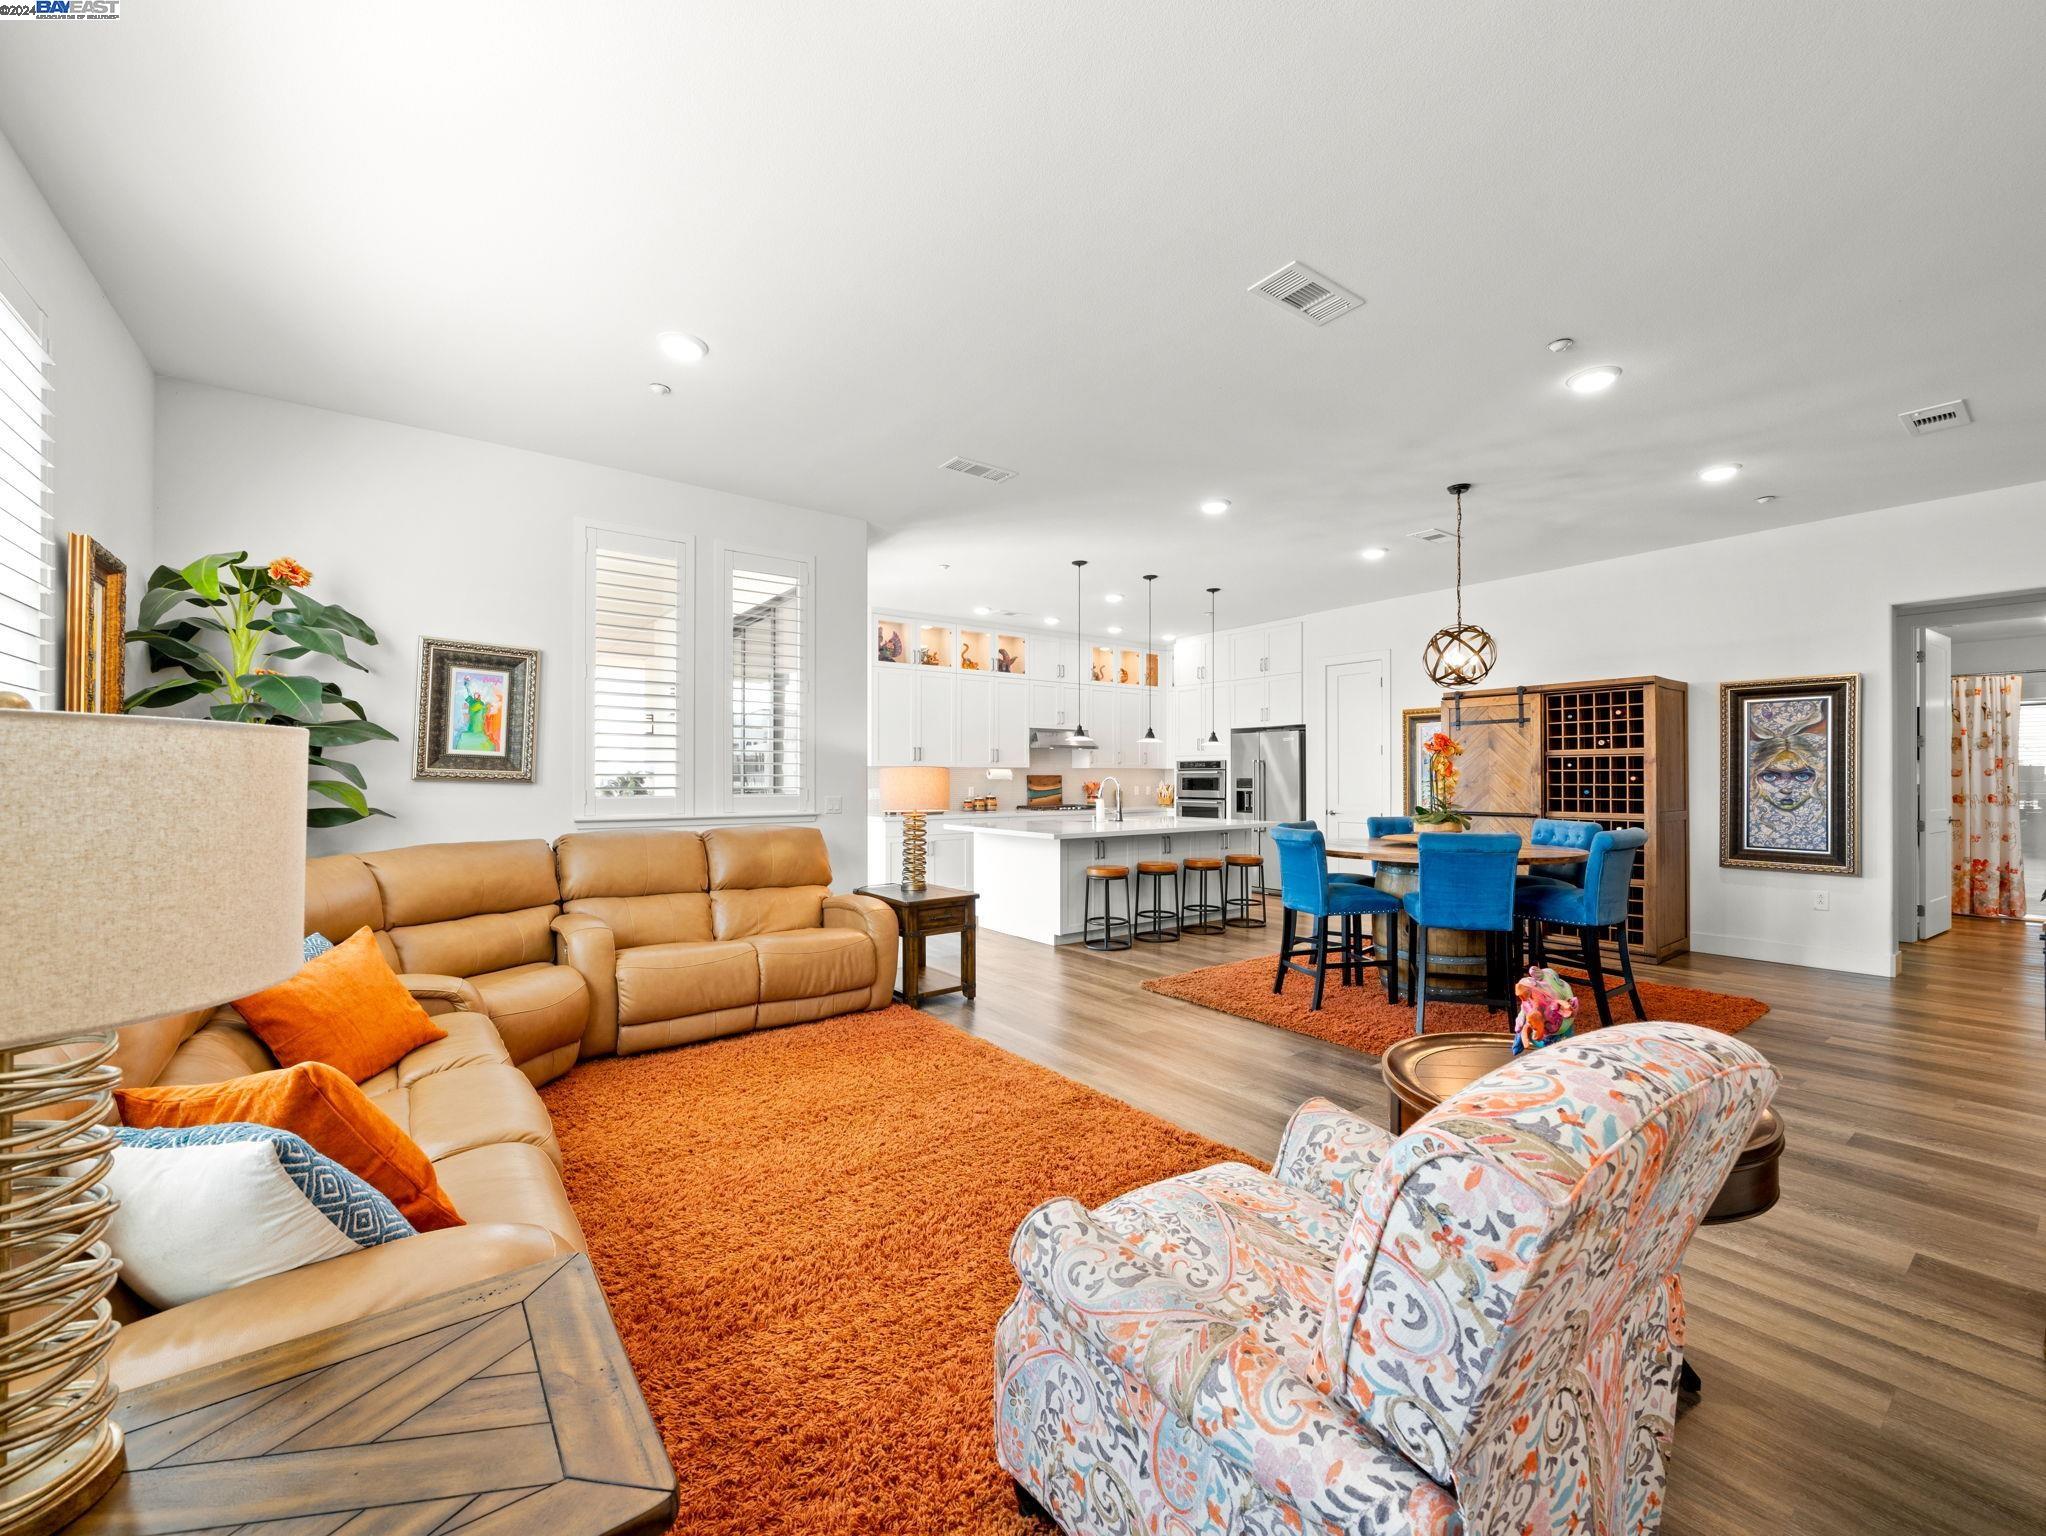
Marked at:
<point>1420,1073</point>
<point>1454,957</point>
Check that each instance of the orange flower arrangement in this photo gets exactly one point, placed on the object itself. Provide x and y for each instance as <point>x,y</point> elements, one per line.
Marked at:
<point>1443,750</point>
<point>290,572</point>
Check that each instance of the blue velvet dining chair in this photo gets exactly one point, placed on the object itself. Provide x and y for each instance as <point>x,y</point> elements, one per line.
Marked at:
<point>1591,915</point>
<point>1336,876</point>
<point>1552,832</point>
<point>1467,885</point>
<point>1306,889</point>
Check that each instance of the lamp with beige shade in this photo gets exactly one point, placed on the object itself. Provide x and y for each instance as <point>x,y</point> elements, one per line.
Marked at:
<point>154,866</point>
<point>911,792</point>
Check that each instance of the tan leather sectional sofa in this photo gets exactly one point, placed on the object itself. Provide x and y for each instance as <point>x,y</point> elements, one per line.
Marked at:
<point>531,958</point>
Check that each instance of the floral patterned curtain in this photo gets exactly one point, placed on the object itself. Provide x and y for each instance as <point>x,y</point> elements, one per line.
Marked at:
<point>1989,861</point>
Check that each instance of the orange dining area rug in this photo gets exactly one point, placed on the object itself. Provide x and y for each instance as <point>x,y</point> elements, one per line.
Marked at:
<point>1362,1019</point>
<point>804,1235</point>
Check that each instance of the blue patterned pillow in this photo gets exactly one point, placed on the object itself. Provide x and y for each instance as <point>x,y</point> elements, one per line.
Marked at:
<point>316,945</point>
<point>206,1207</point>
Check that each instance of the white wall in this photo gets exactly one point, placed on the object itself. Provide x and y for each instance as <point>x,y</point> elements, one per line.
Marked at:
<point>2007,655</point>
<point>426,534</point>
<point>100,457</point>
<point>1810,599</point>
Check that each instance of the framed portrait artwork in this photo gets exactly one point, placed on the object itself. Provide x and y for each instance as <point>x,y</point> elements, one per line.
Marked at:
<point>1790,774</point>
<point>1416,725</point>
<point>478,705</point>
<point>95,627</point>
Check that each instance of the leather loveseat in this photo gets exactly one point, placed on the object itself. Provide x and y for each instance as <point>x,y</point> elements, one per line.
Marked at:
<point>669,937</point>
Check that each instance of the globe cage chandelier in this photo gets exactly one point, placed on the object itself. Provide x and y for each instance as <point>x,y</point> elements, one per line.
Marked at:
<point>1462,654</point>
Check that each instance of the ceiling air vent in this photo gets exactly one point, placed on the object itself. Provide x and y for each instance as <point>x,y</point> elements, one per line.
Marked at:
<point>1936,418</point>
<point>1432,535</point>
<point>980,471</point>
<point>1307,293</point>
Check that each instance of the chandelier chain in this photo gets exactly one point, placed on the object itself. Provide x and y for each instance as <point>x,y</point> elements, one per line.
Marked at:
<point>1459,559</point>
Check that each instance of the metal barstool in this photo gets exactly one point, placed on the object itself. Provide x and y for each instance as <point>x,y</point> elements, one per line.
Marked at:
<point>1206,914</point>
<point>1242,864</point>
<point>1158,871</point>
<point>1106,875</point>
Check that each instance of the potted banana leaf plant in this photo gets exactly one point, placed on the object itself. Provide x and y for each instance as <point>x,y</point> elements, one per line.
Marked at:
<point>261,615</point>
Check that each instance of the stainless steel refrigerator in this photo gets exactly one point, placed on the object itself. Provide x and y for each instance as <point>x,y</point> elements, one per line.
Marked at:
<point>1268,773</point>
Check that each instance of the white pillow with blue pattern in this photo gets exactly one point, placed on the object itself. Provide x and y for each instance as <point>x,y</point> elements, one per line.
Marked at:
<point>206,1207</point>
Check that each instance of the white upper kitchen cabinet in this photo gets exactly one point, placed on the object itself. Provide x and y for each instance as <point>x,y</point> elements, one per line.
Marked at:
<point>994,723</point>
<point>1287,706</point>
<point>1051,704</point>
<point>1264,652</point>
<point>1266,701</point>
<point>1055,659</point>
<point>1130,719</point>
<point>1189,722</point>
<point>916,716</point>
<point>1189,660</point>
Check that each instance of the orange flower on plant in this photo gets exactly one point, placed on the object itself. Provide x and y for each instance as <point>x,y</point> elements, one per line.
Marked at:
<point>1442,744</point>
<point>290,572</point>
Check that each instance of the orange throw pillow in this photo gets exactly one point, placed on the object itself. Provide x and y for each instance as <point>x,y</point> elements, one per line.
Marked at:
<point>313,1101</point>
<point>346,1008</point>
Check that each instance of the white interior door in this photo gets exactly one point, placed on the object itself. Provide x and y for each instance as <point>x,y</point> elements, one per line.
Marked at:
<point>1356,767</point>
<point>1935,783</point>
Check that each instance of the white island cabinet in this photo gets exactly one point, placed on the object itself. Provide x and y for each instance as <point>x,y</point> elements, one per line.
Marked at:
<point>1030,868</point>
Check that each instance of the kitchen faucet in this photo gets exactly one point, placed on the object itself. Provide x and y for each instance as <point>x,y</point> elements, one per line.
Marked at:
<point>1103,816</point>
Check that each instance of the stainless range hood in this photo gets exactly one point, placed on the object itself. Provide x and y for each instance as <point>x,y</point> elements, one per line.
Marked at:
<point>1052,738</point>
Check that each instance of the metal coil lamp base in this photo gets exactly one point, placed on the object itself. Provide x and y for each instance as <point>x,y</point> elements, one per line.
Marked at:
<point>59,1448</point>
<point>913,850</point>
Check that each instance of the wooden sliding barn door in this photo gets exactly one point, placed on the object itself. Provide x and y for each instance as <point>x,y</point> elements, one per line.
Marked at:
<point>1501,733</point>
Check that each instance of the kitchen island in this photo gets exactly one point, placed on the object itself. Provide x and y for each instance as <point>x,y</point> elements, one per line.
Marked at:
<point>1030,867</point>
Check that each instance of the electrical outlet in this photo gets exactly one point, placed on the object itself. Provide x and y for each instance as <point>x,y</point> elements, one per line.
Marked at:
<point>834,805</point>
<point>1822,901</point>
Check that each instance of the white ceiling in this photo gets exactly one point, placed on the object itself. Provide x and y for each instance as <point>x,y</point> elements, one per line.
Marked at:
<point>1023,233</point>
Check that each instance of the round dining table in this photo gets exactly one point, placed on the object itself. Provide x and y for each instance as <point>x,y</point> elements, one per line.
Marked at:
<point>1454,956</point>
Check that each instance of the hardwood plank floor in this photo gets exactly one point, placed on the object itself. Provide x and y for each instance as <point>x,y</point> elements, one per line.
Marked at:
<point>1871,1348</point>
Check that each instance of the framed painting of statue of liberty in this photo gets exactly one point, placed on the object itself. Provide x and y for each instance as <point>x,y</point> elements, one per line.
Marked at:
<point>1790,774</point>
<point>478,705</point>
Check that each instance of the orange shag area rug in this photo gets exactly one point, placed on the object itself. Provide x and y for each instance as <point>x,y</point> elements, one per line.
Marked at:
<point>804,1237</point>
<point>1362,1019</point>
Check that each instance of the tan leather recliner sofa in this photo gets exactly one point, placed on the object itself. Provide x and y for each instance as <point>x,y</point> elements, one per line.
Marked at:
<point>685,936</point>
<point>469,923</point>
<point>471,928</point>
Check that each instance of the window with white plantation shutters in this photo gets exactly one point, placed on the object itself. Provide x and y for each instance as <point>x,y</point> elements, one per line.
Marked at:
<point>768,677</point>
<point>27,559</point>
<point>637,613</point>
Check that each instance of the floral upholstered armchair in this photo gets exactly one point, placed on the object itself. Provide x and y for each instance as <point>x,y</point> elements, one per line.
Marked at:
<point>1475,1328</point>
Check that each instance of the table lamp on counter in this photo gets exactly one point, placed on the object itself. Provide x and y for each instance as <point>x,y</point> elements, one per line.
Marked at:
<point>154,866</point>
<point>911,792</point>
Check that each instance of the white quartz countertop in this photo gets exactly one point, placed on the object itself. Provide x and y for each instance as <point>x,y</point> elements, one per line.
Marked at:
<point>1062,825</point>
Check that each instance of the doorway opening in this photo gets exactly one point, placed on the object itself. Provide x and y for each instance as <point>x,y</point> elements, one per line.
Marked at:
<point>1971,762</point>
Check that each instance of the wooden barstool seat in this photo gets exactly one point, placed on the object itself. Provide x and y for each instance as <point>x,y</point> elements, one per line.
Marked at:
<point>1107,877</point>
<point>1157,871</point>
<point>1108,871</point>
<point>1157,867</point>
<point>1205,914</point>
<point>1236,905</point>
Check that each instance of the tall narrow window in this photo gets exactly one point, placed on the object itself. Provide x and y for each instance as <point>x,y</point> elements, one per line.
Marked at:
<point>636,602</point>
<point>769,679</point>
<point>27,559</point>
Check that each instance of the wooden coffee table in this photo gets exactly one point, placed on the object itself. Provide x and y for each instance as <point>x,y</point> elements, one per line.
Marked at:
<point>504,1409</point>
<point>1423,1071</point>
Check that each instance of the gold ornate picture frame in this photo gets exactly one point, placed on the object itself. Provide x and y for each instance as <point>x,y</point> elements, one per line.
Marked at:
<point>1414,724</point>
<point>1790,774</point>
<point>95,628</point>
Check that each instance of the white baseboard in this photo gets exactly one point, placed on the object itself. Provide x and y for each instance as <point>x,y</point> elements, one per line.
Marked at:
<point>1860,962</point>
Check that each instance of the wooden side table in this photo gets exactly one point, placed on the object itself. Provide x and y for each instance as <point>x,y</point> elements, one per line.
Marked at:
<point>933,910</point>
<point>507,1409</point>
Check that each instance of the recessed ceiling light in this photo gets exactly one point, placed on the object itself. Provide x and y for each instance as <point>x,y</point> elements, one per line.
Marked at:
<point>1168,639</point>
<point>1593,381</point>
<point>1713,474</point>
<point>1051,621</point>
<point>982,611</point>
<point>1375,552</point>
<point>1215,506</point>
<point>1562,344</point>
<point>658,388</point>
<point>1764,500</point>
<point>1111,597</point>
<point>683,347</point>
<point>1115,629</point>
